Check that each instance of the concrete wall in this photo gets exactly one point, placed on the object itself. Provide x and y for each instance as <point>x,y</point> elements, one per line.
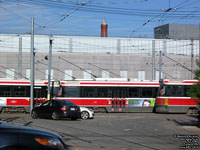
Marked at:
<point>97,54</point>
<point>97,62</point>
<point>177,31</point>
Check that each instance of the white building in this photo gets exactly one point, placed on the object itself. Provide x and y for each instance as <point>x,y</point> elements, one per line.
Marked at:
<point>90,57</point>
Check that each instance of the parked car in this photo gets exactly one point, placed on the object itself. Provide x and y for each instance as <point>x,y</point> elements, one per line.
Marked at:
<point>56,109</point>
<point>24,138</point>
<point>86,113</point>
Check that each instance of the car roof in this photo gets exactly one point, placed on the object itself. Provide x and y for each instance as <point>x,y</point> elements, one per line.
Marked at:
<point>64,102</point>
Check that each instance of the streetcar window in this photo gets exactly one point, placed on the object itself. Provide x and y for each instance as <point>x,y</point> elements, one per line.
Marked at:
<point>40,92</point>
<point>87,92</point>
<point>5,91</point>
<point>147,92</point>
<point>155,92</point>
<point>173,90</point>
<point>134,92</point>
<point>58,92</point>
<point>102,92</point>
<point>178,90</point>
<point>71,91</point>
<point>116,92</point>
<point>110,92</point>
<point>19,91</point>
<point>187,88</point>
<point>124,92</point>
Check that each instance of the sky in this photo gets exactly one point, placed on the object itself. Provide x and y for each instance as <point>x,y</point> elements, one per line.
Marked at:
<point>125,18</point>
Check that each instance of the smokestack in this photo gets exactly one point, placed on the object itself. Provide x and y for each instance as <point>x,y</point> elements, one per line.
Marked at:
<point>104,28</point>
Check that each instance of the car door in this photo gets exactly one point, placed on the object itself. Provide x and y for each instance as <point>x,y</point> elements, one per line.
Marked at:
<point>50,108</point>
<point>44,109</point>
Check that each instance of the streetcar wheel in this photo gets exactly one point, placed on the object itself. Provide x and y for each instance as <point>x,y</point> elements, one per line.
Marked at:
<point>34,115</point>
<point>54,116</point>
<point>84,115</point>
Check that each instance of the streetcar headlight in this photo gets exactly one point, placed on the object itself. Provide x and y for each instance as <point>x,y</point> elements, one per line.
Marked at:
<point>51,142</point>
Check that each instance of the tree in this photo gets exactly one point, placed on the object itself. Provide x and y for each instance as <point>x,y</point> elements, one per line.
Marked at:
<point>194,91</point>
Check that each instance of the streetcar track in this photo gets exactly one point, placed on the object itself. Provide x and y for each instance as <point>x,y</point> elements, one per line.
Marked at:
<point>46,124</point>
<point>102,135</point>
<point>30,123</point>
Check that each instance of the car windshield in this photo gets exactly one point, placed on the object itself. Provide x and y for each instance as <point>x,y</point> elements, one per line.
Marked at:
<point>64,102</point>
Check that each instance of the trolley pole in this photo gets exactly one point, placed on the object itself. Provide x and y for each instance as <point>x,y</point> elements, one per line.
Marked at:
<point>32,62</point>
<point>192,57</point>
<point>49,69</point>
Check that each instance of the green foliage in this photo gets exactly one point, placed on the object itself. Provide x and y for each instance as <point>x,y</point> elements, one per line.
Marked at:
<point>194,91</point>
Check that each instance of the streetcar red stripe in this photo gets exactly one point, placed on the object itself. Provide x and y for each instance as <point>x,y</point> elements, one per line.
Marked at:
<point>11,82</point>
<point>17,102</point>
<point>176,101</point>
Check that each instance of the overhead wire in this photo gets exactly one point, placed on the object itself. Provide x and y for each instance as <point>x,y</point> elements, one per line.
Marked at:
<point>12,71</point>
<point>191,12</point>
<point>94,76</point>
<point>161,14</point>
<point>60,4</point>
<point>105,9</point>
<point>112,74</point>
<point>66,15</point>
<point>57,70</point>
<point>183,66</point>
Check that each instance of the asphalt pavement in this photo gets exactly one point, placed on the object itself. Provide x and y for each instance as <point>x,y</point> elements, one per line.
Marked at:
<point>120,131</point>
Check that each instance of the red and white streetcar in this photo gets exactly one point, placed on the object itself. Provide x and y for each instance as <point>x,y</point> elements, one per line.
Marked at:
<point>173,97</point>
<point>15,94</point>
<point>110,95</point>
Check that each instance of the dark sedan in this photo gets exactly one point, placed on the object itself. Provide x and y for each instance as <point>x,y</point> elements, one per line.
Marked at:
<point>56,109</point>
<point>23,138</point>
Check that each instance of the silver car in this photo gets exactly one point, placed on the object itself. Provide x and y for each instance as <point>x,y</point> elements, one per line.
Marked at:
<point>86,113</point>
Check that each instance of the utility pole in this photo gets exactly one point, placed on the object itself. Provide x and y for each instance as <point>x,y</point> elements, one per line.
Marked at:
<point>49,69</point>
<point>199,45</point>
<point>160,66</point>
<point>192,57</point>
<point>32,63</point>
<point>20,59</point>
<point>153,60</point>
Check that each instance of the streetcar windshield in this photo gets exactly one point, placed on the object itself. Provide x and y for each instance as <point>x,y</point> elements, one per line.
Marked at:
<point>174,90</point>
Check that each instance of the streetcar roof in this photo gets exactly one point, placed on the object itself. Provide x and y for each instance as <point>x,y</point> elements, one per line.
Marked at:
<point>183,82</point>
<point>110,83</point>
<point>22,82</point>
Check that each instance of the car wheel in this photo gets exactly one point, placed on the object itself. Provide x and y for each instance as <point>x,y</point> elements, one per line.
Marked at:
<point>84,115</point>
<point>54,116</point>
<point>34,114</point>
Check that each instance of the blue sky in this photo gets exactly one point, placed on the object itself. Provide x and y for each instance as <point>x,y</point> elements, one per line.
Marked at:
<point>125,18</point>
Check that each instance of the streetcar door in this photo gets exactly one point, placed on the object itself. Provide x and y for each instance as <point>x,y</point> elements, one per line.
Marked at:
<point>39,95</point>
<point>118,102</point>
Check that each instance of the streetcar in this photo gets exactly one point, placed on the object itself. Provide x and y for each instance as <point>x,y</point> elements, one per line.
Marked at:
<point>173,97</point>
<point>110,95</point>
<point>15,95</point>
